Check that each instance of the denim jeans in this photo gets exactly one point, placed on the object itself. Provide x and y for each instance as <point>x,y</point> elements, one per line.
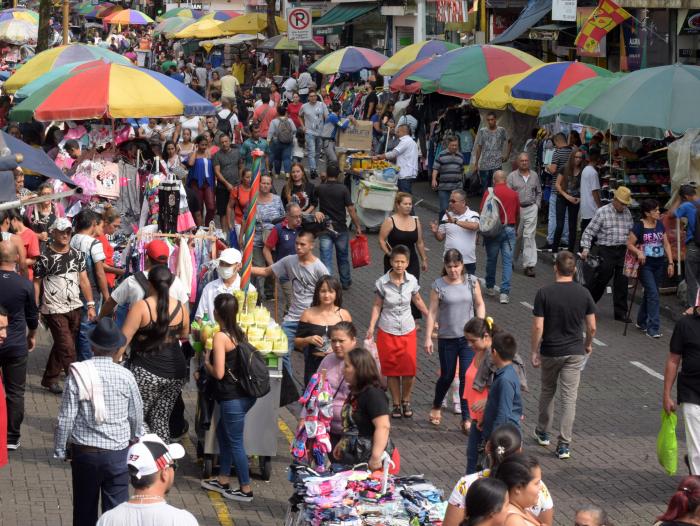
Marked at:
<point>504,243</point>
<point>290,330</point>
<point>405,185</point>
<point>444,202</point>
<point>486,177</point>
<point>83,348</point>
<point>314,145</point>
<point>650,276</point>
<point>281,157</point>
<point>229,433</point>
<point>552,221</point>
<point>341,243</point>
<point>475,437</point>
<point>450,350</point>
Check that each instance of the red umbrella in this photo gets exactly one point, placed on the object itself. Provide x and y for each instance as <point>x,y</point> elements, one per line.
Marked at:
<point>398,81</point>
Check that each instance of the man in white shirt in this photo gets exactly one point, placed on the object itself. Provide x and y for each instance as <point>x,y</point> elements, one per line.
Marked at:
<point>458,229</point>
<point>527,183</point>
<point>304,84</point>
<point>289,86</point>
<point>590,189</point>
<point>227,282</point>
<point>406,156</point>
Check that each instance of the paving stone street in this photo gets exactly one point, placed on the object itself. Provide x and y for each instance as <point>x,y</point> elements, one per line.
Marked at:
<point>613,461</point>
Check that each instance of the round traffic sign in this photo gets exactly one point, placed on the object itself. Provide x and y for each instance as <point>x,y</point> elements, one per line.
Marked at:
<point>299,19</point>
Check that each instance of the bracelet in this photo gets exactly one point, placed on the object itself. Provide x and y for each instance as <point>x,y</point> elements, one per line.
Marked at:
<point>90,304</point>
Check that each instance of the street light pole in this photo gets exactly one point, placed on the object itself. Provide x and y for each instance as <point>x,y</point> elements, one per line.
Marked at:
<point>66,14</point>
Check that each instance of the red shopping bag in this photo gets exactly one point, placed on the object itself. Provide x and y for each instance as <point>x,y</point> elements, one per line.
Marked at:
<point>359,249</point>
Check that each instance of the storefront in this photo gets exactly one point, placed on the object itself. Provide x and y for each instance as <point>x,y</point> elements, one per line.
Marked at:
<point>352,24</point>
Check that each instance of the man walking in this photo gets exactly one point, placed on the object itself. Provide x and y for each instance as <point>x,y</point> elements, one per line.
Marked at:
<point>492,150</point>
<point>505,241</point>
<point>334,201</point>
<point>559,349</point>
<point>458,228</point>
<point>281,140</point>
<point>590,189</point>
<point>448,171</point>
<point>686,208</point>
<point>527,184</point>
<point>280,244</point>
<point>406,156</point>
<point>101,412</point>
<point>225,162</point>
<point>60,277</point>
<point>312,116</point>
<point>249,146</point>
<point>17,297</point>
<point>610,226</point>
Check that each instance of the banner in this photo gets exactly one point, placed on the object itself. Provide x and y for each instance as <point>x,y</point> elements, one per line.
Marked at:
<point>630,45</point>
<point>452,11</point>
<point>604,19</point>
<point>564,10</point>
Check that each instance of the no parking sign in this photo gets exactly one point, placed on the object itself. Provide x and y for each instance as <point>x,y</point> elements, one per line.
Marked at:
<point>299,24</point>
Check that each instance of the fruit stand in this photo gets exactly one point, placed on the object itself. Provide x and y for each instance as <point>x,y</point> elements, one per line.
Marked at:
<point>372,188</point>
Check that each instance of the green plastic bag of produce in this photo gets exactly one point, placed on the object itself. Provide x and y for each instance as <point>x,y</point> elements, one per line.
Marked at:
<point>666,443</point>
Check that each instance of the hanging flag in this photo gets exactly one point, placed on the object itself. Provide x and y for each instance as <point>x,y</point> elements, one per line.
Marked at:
<point>604,19</point>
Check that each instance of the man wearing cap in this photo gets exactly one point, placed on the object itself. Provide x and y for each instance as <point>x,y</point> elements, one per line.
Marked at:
<point>101,414</point>
<point>60,275</point>
<point>227,282</point>
<point>685,207</point>
<point>135,287</point>
<point>610,225</point>
<point>152,467</point>
<point>280,244</point>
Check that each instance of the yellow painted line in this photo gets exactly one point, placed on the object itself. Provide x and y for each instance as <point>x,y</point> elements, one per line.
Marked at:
<point>285,431</point>
<point>220,508</point>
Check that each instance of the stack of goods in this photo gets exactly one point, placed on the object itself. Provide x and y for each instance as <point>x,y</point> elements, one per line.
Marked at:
<point>356,498</point>
<point>312,442</point>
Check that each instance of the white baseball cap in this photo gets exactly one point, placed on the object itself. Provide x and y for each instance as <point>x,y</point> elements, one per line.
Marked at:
<point>150,455</point>
<point>61,224</point>
<point>231,256</point>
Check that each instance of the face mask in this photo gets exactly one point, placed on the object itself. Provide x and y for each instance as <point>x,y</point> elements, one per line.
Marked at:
<point>225,272</point>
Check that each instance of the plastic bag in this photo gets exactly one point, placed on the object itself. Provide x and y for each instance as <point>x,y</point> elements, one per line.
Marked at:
<point>359,249</point>
<point>666,443</point>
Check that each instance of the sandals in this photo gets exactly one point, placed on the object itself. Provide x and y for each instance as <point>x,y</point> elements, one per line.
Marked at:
<point>396,412</point>
<point>407,409</point>
<point>435,420</point>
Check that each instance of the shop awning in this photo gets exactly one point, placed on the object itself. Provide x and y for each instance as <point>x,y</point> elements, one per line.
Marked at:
<point>533,13</point>
<point>343,14</point>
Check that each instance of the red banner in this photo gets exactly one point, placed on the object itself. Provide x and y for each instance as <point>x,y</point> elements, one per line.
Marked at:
<point>604,19</point>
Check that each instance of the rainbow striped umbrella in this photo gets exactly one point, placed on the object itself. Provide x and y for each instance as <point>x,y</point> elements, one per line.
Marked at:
<point>221,16</point>
<point>399,82</point>
<point>464,71</point>
<point>414,52</point>
<point>128,17</point>
<point>104,12</point>
<point>249,220</point>
<point>18,31</point>
<point>548,80</point>
<point>106,90</point>
<point>55,57</point>
<point>181,12</point>
<point>19,13</point>
<point>348,60</point>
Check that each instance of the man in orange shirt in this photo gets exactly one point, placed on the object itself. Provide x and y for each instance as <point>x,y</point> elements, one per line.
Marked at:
<point>264,114</point>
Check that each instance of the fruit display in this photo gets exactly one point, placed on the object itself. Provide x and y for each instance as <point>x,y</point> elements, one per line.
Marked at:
<point>362,161</point>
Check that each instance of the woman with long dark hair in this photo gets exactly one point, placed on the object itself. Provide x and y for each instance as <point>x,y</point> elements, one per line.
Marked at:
<point>523,476</point>
<point>487,502</point>
<point>684,507</point>
<point>154,327</point>
<point>222,363</point>
<point>316,322</point>
<point>299,190</point>
<point>568,185</point>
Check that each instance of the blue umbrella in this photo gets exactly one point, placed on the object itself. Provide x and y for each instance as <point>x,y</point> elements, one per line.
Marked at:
<point>35,159</point>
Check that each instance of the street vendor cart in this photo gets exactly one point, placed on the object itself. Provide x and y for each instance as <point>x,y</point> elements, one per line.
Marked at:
<point>372,189</point>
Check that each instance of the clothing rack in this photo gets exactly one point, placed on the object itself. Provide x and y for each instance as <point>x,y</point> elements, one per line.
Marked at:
<point>208,237</point>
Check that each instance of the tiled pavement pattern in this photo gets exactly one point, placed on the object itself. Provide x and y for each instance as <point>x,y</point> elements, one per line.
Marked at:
<point>613,460</point>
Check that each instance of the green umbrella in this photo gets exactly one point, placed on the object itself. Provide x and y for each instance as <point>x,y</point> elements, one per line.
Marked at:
<point>172,25</point>
<point>570,102</point>
<point>648,103</point>
<point>282,43</point>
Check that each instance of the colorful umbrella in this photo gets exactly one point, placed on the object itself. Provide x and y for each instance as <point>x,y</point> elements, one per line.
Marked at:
<point>250,24</point>
<point>56,73</point>
<point>464,71</point>
<point>18,31</point>
<point>107,90</point>
<point>496,95</point>
<point>222,16</point>
<point>55,57</point>
<point>128,17</point>
<point>106,11</point>
<point>648,103</point>
<point>348,60</point>
<point>568,105</point>
<point>399,81</point>
<point>548,80</point>
<point>88,8</point>
<point>181,12</point>
<point>282,43</point>
<point>170,26</point>
<point>235,40</point>
<point>417,51</point>
<point>19,13</point>
<point>201,29</point>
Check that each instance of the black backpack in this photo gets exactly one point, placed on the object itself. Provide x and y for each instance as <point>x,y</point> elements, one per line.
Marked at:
<point>224,124</point>
<point>253,376</point>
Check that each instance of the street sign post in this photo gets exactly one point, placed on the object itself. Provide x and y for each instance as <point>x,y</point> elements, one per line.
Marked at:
<point>299,24</point>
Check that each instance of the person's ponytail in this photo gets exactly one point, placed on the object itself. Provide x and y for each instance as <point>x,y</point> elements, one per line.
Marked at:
<point>160,279</point>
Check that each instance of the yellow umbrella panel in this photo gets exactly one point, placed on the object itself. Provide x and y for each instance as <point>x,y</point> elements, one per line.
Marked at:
<point>496,96</point>
<point>251,23</point>
<point>206,28</point>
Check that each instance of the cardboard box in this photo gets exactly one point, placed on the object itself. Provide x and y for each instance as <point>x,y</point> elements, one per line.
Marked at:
<point>357,136</point>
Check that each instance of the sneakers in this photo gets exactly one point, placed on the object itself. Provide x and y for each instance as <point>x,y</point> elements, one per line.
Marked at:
<point>563,451</point>
<point>491,292</point>
<point>215,485</point>
<point>542,438</point>
<point>657,335</point>
<point>13,446</point>
<point>238,494</point>
<point>530,272</point>
<point>640,327</point>
<point>504,299</point>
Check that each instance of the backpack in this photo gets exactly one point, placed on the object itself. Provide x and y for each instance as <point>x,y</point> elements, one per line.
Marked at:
<point>253,376</point>
<point>490,224</point>
<point>696,232</point>
<point>224,124</point>
<point>285,133</point>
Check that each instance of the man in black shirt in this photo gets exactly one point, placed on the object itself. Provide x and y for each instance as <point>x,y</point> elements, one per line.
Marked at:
<point>333,201</point>
<point>558,348</point>
<point>17,298</point>
<point>685,348</point>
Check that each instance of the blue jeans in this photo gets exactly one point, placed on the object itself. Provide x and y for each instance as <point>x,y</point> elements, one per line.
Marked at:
<point>486,177</point>
<point>444,202</point>
<point>504,244</point>
<point>281,156</point>
<point>341,242</point>
<point>82,345</point>
<point>450,350</point>
<point>290,330</point>
<point>229,433</point>
<point>650,276</point>
<point>552,222</point>
<point>405,185</point>
<point>314,147</point>
<point>475,437</point>
<point>97,474</point>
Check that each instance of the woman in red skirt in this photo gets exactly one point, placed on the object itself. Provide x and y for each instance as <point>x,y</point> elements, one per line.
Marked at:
<point>396,333</point>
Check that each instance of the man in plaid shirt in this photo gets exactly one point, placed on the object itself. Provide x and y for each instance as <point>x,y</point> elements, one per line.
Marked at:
<point>101,414</point>
<point>610,227</point>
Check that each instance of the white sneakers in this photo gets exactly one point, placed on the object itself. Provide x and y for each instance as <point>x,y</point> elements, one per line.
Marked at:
<point>504,299</point>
